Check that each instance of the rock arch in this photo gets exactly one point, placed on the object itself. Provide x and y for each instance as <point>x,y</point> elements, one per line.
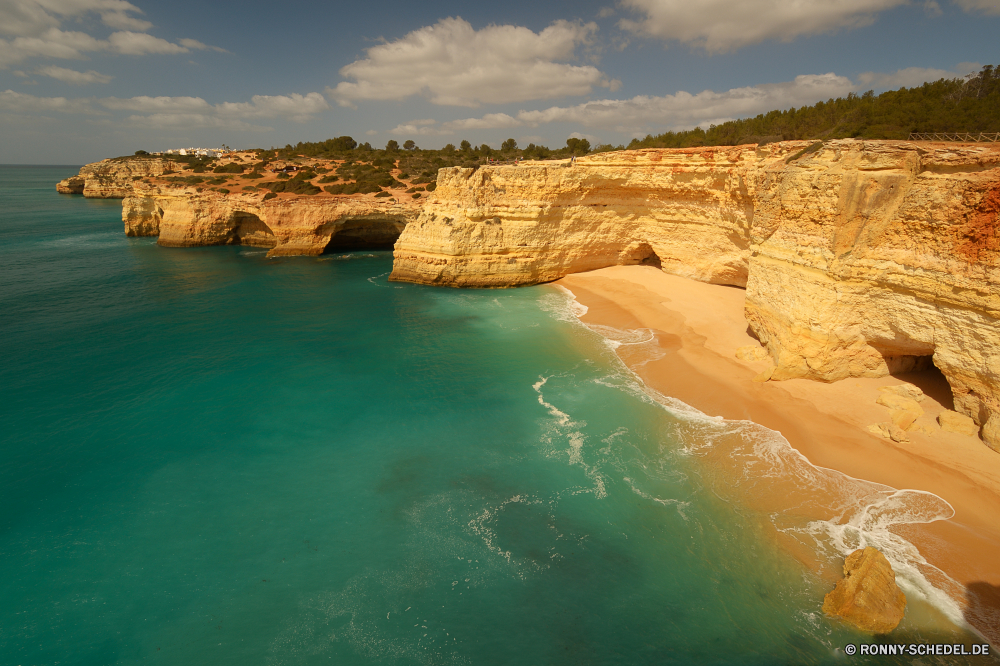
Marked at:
<point>365,234</point>
<point>248,229</point>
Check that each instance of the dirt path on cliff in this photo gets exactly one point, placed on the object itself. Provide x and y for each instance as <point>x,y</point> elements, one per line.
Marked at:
<point>701,326</point>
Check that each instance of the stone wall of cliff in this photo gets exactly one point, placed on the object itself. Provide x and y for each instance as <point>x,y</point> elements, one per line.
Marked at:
<point>114,178</point>
<point>859,258</point>
<point>690,210</point>
<point>288,226</point>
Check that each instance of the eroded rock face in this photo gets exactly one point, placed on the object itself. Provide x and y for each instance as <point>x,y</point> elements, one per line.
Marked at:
<point>689,211</point>
<point>288,226</point>
<point>114,178</point>
<point>859,258</point>
<point>874,257</point>
<point>867,596</point>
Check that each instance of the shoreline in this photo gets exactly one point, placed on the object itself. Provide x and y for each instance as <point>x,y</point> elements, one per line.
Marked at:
<point>699,327</point>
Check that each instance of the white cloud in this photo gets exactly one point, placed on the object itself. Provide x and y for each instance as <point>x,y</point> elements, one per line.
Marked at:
<point>140,43</point>
<point>679,111</point>
<point>489,121</point>
<point>412,129</point>
<point>988,7</point>
<point>684,110</point>
<point>72,76</point>
<point>720,26</point>
<point>33,29</point>
<point>912,77</point>
<point>28,18</point>
<point>453,64</point>
<point>15,102</point>
<point>294,107</point>
<point>176,111</point>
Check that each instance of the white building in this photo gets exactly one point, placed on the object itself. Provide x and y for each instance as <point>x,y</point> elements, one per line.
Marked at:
<point>199,152</point>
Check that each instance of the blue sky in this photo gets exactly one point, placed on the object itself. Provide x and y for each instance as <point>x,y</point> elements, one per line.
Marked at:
<point>85,79</point>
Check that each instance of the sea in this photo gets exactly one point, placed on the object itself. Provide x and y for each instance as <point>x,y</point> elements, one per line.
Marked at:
<point>212,457</point>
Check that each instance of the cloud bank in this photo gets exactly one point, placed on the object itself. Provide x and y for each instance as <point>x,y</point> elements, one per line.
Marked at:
<point>32,28</point>
<point>168,112</point>
<point>453,64</point>
<point>720,26</point>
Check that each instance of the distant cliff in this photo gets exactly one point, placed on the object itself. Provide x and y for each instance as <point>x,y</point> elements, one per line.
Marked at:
<point>859,257</point>
<point>288,226</point>
<point>114,178</point>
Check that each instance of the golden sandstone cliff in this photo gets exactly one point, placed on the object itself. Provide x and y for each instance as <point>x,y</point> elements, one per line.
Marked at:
<point>114,178</point>
<point>288,226</point>
<point>859,258</point>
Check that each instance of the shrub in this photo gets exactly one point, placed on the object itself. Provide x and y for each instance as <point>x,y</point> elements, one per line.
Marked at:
<point>253,174</point>
<point>293,187</point>
<point>383,193</point>
<point>269,195</point>
<point>229,168</point>
<point>431,187</point>
<point>329,179</point>
<point>365,187</point>
<point>416,195</point>
<point>283,176</point>
<point>141,152</point>
<point>223,190</point>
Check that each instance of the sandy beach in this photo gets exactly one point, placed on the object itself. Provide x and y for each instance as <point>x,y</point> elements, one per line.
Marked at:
<point>699,328</point>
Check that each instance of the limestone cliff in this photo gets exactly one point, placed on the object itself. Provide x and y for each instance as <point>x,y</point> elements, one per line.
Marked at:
<point>288,226</point>
<point>859,258</point>
<point>690,210</point>
<point>114,178</point>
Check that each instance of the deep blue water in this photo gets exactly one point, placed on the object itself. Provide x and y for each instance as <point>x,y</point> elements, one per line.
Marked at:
<point>211,457</point>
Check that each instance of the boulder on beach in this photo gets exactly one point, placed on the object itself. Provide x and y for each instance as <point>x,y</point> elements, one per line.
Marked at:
<point>867,596</point>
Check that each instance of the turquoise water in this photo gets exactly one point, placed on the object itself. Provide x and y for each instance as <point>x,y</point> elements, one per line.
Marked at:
<point>210,457</point>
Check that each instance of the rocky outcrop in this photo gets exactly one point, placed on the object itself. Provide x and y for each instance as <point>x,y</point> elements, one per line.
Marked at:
<point>689,211</point>
<point>867,596</point>
<point>71,185</point>
<point>859,258</point>
<point>114,178</point>
<point>288,226</point>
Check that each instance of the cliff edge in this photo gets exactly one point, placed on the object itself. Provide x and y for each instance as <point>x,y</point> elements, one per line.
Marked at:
<point>860,258</point>
<point>114,178</point>
<point>287,226</point>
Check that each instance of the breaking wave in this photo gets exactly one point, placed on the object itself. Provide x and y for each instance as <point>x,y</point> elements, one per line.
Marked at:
<point>828,512</point>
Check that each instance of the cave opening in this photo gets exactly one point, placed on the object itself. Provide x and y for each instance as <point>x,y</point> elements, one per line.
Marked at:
<point>248,229</point>
<point>642,254</point>
<point>922,373</point>
<point>364,235</point>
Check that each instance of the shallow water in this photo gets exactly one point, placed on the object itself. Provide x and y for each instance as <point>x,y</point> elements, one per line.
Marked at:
<point>210,457</point>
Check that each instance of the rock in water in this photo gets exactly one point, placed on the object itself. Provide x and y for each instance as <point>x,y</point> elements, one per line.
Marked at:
<point>867,596</point>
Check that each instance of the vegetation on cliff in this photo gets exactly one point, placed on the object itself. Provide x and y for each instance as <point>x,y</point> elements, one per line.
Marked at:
<point>971,104</point>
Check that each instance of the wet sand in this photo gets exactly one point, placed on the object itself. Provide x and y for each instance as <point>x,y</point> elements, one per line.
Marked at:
<point>700,326</point>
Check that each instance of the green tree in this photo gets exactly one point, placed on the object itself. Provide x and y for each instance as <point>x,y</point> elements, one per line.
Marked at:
<point>392,146</point>
<point>409,145</point>
<point>508,146</point>
<point>448,148</point>
<point>465,146</point>
<point>578,146</point>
